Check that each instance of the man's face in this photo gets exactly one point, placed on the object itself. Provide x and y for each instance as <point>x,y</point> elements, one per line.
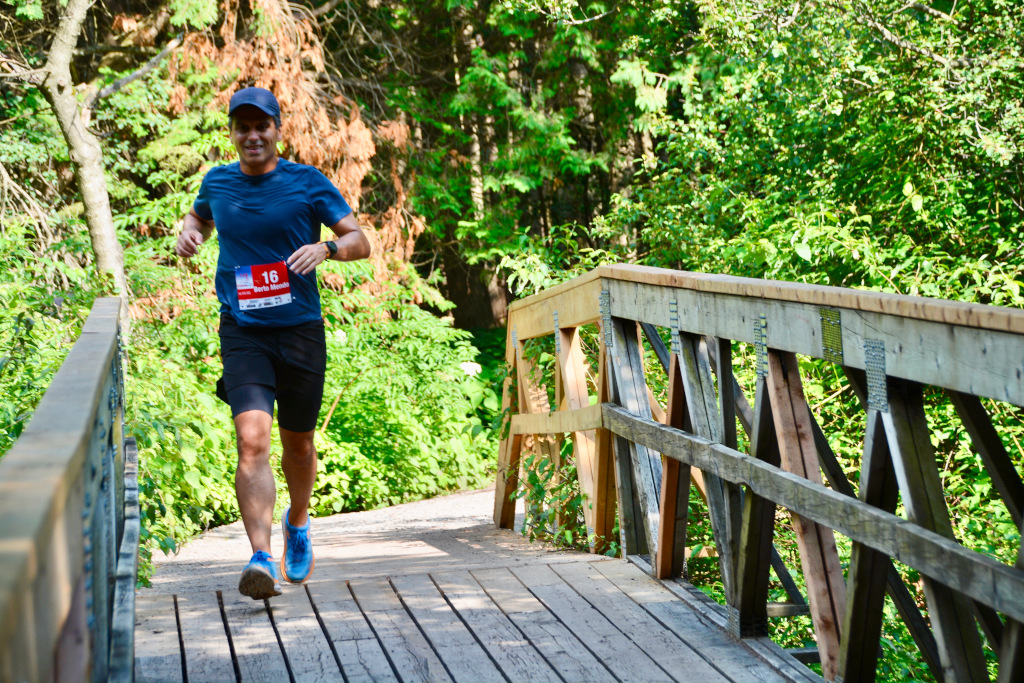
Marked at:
<point>255,136</point>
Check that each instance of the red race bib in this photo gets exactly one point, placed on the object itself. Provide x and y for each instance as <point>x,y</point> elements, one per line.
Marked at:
<point>262,286</point>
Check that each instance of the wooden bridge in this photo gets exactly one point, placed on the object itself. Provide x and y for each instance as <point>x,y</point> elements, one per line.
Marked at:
<point>638,454</point>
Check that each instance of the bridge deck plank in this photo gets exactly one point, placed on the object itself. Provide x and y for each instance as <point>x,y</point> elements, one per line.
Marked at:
<point>257,651</point>
<point>157,649</point>
<point>590,620</point>
<point>355,643</point>
<point>203,639</point>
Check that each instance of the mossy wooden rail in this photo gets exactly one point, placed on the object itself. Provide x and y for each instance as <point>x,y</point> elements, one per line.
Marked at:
<point>69,523</point>
<point>635,457</point>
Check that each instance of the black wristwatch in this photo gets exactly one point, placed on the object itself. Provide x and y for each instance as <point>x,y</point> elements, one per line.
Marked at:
<point>332,248</point>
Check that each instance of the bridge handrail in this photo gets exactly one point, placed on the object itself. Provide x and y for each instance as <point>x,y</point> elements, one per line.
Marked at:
<point>636,457</point>
<point>69,522</point>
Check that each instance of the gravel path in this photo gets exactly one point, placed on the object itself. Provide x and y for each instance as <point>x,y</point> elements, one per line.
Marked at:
<point>447,532</point>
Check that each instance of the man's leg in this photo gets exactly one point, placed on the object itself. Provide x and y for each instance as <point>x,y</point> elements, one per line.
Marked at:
<point>298,463</point>
<point>254,480</point>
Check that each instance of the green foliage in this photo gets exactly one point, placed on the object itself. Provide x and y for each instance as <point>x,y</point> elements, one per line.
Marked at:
<point>39,316</point>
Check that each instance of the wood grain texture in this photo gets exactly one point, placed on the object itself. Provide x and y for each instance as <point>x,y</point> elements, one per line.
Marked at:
<point>41,556</point>
<point>306,647</point>
<point>257,652</point>
<point>562,650</point>
<point>722,496</point>
<point>157,655</point>
<point>917,472</point>
<point>514,655</point>
<point>507,476</point>
<point>978,361</point>
<point>754,557</point>
<point>578,420</point>
<point>410,653</point>
<point>603,503</point>
<point>869,569</point>
<point>971,573</point>
<point>738,661</point>
<point>207,652</point>
<point>670,559</point>
<point>573,373</point>
<point>455,644</point>
<point>362,658</point>
<point>671,653</point>
<point>645,466</point>
<point>826,590</point>
<point>601,636</point>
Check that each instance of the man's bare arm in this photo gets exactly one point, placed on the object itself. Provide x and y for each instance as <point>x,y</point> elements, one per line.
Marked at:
<point>196,230</point>
<point>352,246</point>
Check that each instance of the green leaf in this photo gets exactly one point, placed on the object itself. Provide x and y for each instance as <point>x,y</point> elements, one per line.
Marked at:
<point>803,250</point>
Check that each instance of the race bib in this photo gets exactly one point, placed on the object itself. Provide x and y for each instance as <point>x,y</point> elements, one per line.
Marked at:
<point>262,286</point>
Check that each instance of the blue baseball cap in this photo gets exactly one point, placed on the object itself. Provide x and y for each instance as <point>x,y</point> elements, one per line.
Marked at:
<point>260,98</point>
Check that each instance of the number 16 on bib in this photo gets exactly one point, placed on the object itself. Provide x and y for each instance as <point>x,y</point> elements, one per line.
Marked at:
<point>262,286</point>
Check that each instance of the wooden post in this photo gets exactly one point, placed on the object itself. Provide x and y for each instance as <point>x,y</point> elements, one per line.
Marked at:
<point>632,394</point>
<point>722,497</point>
<point>573,367</point>
<point>670,560</point>
<point>754,557</point>
<point>603,504</point>
<point>869,569</point>
<point>826,591</point>
<point>952,617</point>
<point>509,454</point>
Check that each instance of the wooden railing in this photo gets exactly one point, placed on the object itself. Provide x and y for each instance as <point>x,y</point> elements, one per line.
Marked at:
<point>634,457</point>
<point>69,523</point>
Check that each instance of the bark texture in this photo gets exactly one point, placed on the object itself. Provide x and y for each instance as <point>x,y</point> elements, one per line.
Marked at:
<point>83,147</point>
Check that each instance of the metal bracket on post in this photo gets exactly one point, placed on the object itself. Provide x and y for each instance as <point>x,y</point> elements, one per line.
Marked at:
<point>558,337</point>
<point>673,318</point>
<point>605,305</point>
<point>515,342</point>
<point>874,365</point>
<point>831,335</point>
<point>761,345</point>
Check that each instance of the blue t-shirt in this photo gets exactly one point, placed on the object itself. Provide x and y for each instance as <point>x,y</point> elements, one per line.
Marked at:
<point>262,220</point>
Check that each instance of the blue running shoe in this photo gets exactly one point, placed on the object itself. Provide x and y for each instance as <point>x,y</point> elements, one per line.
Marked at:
<point>259,578</point>
<point>297,562</point>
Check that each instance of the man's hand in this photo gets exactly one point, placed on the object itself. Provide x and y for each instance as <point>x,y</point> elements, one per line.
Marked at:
<point>194,232</point>
<point>307,258</point>
<point>188,243</point>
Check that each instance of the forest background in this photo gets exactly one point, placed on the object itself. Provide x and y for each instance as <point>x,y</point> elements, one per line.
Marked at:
<point>493,148</point>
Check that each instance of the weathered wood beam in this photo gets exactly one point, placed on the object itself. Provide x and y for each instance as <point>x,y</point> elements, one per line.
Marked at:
<point>723,498</point>
<point>869,569</point>
<point>826,591</point>
<point>670,560</point>
<point>978,360</point>
<point>573,371</point>
<point>558,422</point>
<point>973,574</point>
<point>632,394</point>
<point>603,503</point>
<point>754,557</point>
<point>993,453</point>
<point>909,439</point>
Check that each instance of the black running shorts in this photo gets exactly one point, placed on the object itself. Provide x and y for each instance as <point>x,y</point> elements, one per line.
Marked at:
<point>262,364</point>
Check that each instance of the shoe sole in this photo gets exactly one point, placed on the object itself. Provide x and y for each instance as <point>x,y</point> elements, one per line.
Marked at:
<point>257,585</point>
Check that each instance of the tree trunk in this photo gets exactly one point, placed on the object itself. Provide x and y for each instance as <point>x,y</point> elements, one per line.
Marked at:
<point>83,147</point>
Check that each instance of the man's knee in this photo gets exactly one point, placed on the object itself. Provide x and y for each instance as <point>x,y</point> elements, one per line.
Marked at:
<point>252,432</point>
<point>298,446</point>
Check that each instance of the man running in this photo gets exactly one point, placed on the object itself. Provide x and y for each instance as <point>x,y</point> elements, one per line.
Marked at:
<point>268,212</point>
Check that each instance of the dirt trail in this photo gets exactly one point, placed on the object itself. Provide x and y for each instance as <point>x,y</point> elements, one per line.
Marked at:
<point>454,531</point>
